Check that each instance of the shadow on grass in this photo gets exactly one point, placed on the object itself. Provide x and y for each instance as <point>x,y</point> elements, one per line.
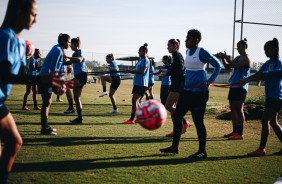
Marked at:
<point>105,163</point>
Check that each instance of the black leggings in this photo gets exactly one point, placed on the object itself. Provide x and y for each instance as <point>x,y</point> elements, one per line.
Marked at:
<point>195,102</point>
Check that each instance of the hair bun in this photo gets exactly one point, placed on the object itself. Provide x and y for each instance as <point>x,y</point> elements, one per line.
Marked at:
<point>245,39</point>
<point>145,45</point>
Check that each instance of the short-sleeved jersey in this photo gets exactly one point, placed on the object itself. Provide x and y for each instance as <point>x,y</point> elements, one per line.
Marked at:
<point>33,63</point>
<point>273,85</point>
<point>79,67</point>
<point>12,49</point>
<point>151,75</point>
<point>142,79</point>
<point>195,64</point>
<point>113,64</point>
<point>53,60</point>
<point>240,73</point>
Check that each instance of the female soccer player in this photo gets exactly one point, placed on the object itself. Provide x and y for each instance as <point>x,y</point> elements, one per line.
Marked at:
<point>166,82</point>
<point>32,70</point>
<point>113,78</point>
<point>140,81</point>
<point>176,72</point>
<point>237,94</point>
<point>195,95</point>
<point>80,74</point>
<point>270,71</point>
<point>52,63</point>
<point>20,14</point>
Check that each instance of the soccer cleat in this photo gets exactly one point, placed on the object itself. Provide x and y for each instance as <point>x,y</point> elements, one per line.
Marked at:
<point>128,122</point>
<point>59,100</point>
<point>257,153</point>
<point>25,108</point>
<point>198,155</point>
<point>52,129</point>
<point>37,108</point>
<point>171,149</point>
<point>113,111</point>
<point>235,137</point>
<point>76,121</point>
<point>103,94</point>
<point>278,152</point>
<point>228,135</point>
<point>47,132</point>
<point>69,111</point>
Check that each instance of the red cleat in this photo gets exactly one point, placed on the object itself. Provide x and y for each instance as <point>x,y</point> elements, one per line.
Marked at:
<point>25,108</point>
<point>128,122</point>
<point>37,108</point>
<point>228,135</point>
<point>236,137</point>
<point>257,153</point>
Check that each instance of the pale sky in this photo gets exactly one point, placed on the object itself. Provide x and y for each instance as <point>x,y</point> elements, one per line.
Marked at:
<point>122,26</point>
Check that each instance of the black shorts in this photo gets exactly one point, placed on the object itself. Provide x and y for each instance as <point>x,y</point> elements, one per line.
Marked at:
<point>82,77</point>
<point>176,88</point>
<point>44,88</point>
<point>151,84</point>
<point>274,104</point>
<point>4,111</point>
<point>115,82</point>
<point>237,94</point>
<point>139,90</point>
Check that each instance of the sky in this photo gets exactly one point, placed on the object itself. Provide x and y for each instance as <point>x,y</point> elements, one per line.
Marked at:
<point>121,27</point>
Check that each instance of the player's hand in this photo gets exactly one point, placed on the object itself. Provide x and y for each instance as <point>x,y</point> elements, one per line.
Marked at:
<point>54,78</point>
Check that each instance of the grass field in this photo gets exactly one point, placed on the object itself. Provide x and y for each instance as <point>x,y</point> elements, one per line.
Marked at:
<point>104,151</point>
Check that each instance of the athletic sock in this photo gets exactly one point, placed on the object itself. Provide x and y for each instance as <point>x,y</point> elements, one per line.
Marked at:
<point>235,128</point>
<point>114,107</point>
<point>132,116</point>
<point>70,103</point>
<point>104,89</point>
<point>79,113</point>
<point>240,129</point>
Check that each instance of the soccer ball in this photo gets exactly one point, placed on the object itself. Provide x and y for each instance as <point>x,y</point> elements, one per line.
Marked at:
<point>151,115</point>
<point>59,91</point>
<point>30,49</point>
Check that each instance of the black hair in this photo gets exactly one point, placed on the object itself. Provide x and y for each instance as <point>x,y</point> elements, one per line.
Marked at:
<point>63,38</point>
<point>76,41</point>
<point>168,58</point>
<point>13,8</point>
<point>144,47</point>
<point>175,42</point>
<point>195,34</point>
<point>274,44</point>
<point>243,42</point>
<point>152,62</point>
<point>111,56</point>
<point>36,53</point>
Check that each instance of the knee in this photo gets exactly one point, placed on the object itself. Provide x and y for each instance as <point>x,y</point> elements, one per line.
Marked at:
<point>111,95</point>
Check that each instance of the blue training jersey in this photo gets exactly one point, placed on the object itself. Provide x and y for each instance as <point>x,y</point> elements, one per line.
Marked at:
<point>195,64</point>
<point>53,60</point>
<point>79,67</point>
<point>240,73</point>
<point>273,85</point>
<point>142,79</point>
<point>33,63</point>
<point>166,80</point>
<point>12,49</point>
<point>151,75</point>
<point>113,64</point>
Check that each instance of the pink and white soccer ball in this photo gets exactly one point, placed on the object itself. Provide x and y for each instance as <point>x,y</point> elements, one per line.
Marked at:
<point>151,115</point>
<point>60,90</point>
<point>30,49</point>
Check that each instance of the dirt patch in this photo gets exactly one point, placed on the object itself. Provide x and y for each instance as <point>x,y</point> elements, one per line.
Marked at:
<point>252,112</point>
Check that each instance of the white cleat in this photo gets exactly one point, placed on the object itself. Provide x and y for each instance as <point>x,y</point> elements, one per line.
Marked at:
<point>103,94</point>
<point>113,111</point>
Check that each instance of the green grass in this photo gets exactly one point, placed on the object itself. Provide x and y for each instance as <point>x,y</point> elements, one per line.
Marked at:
<point>104,151</point>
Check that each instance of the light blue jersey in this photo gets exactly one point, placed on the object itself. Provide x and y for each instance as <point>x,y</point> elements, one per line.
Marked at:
<point>240,73</point>
<point>195,64</point>
<point>142,79</point>
<point>113,64</point>
<point>166,80</point>
<point>12,49</point>
<point>53,60</point>
<point>79,67</point>
<point>273,86</point>
<point>151,75</point>
<point>32,64</point>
